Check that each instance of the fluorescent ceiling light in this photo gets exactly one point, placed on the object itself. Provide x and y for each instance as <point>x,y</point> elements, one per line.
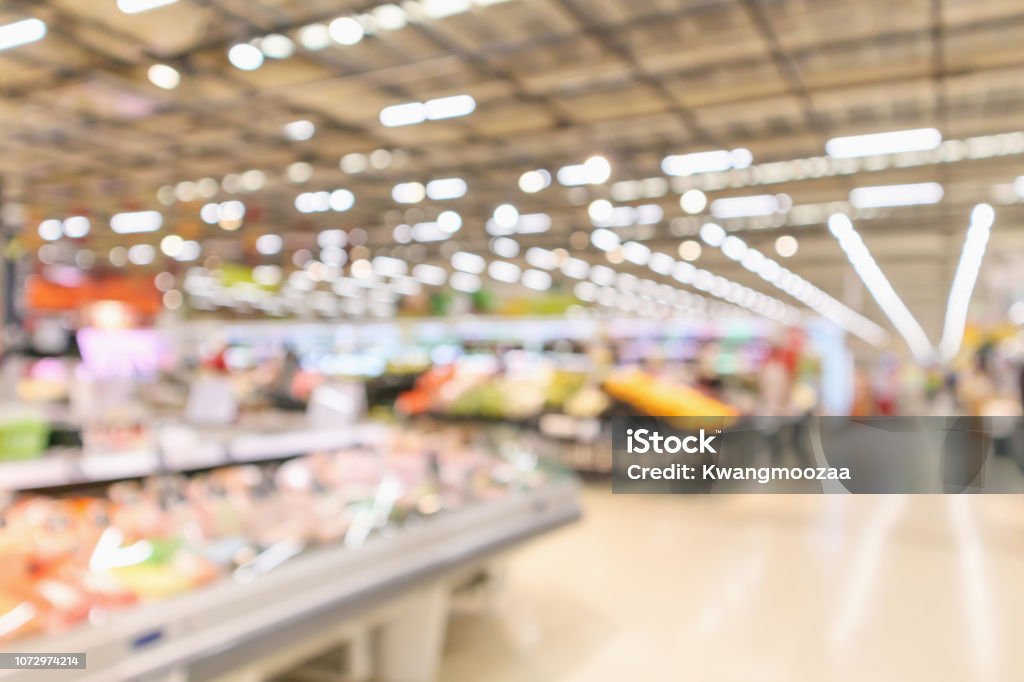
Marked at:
<point>534,181</point>
<point>712,234</point>
<point>135,222</point>
<point>403,114</point>
<point>693,201</point>
<point>896,195</point>
<point>982,218</point>
<point>504,271</point>
<point>446,188</point>
<point>506,216</point>
<point>541,258</point>
<point>533,223</point>
<point>408,192</point>
<point>315,37</point>
<point>21,33</point>
<point>345,31</point>
<point>449,107</point>
<point>594,171</point>
<point>706,162</point>
<point>136,6</point>
<point>76,227</point>
<point>537,280</point>
<point>277,46</point>
<point>468,262</point>
<point>245,57</point>
<point>464,282</point>
<point>412,113</point>
<point>390,17</point>
<point>879,287</point>
<point>299,130</point>
<point>449,221</point>
<point>439,9</point>
<point>429,232</point>
<point>341,200</point>
<point>164,76</point>
<point>894,142</point>
<point>745,207</point>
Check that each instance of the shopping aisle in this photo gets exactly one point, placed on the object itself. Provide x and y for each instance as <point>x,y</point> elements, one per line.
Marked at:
<point>759,588</point>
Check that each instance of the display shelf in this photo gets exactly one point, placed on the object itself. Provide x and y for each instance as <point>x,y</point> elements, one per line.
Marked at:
<point>228,625</point>
<point>69,467</point>
<point>253,447</point>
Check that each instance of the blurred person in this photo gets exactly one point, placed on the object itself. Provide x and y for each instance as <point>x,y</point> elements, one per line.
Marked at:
<point>776,405</point>
<point>976,386</point>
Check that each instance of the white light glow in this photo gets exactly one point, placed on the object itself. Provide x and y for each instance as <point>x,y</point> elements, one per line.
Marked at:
<point>744,207</point>
<point>390,17</point>
<point>965,279</point>
<point>504,271</point>
<point>600,211</point>
<point>506,216</point>
<point>164,76</point>
<point>408,192</point>
<point>446,188</point>
<point>604,239</point>
<point>141,254</point>
<point>428,232</point>
<point>354,163</point>
<point>593,171</point>
<point>76,227</point>
<point>136,222</point>
<point>345,31</point>
<point>468,262</point>
<point>50,230</point>
<point>439,9</point>
<point>136,6</point>
<point>505,247</point>
<point>269,244</point>
<point>533,223</point>
<point>534,181</point>
<point>693,201</point>
<point>299,130</point>
<point>245,57</point>
<point>315,37</point>
<point>449,221</point>
<point>299,172</point>
<point>895,142</point>
<point>277,46</point>
<point>786,246</point>
<point>690,250</point>
<point>449,107</point>
<point>342,200</point>
<point>171,245</point>
<point>407,114</point>
<point>541,258</point>
<point>879,287</point>
<point>706,162</point>
<point>896,195</point>
<point>465,282</point>
<point>536,279</point>
<point>712,234</point>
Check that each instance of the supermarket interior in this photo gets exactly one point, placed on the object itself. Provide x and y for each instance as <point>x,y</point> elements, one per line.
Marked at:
<point>316,318</point>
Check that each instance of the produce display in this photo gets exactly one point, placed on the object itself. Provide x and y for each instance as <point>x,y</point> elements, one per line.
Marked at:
<point>654,396</point>
<point>68,559</point>
<point>467,391</point>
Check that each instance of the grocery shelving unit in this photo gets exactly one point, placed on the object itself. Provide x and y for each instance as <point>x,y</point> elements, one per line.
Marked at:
<point>69,467</point>
<point>387,599</point>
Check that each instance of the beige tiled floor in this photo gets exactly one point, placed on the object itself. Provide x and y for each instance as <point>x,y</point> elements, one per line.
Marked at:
<point>760,589</point>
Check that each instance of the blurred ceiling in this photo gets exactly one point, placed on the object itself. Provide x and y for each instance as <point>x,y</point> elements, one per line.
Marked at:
<point>85,131</point>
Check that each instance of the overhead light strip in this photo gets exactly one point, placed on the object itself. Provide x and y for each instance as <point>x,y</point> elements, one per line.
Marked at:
<point>796,286</point>
<point>982,219</point>
<point>879,287</point>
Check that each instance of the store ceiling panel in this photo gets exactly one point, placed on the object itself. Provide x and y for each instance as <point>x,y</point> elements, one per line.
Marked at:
<point>553,82</point>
